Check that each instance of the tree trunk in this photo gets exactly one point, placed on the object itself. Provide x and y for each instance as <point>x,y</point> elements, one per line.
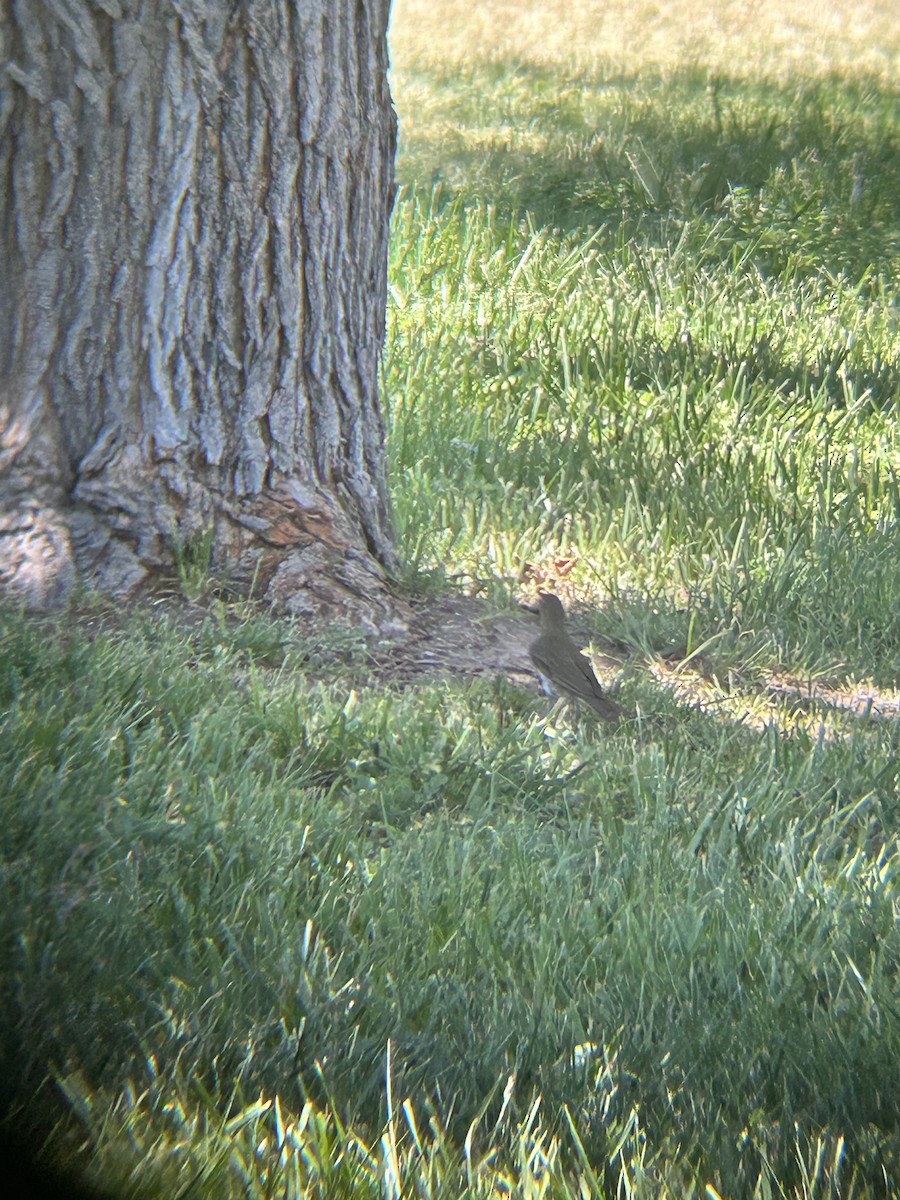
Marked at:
<point>194,245</point>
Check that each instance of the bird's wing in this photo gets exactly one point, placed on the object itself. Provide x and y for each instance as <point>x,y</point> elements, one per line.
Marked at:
<point>590,689</point>
<point>586,670</point>
<point>571,672</point>
<point>542,661</point>
<point>561,662</point>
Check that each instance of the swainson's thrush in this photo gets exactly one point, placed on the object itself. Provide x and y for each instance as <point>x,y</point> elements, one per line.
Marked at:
<point>561,665</point>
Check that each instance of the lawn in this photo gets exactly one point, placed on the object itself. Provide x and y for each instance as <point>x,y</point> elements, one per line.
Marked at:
<point>280,922</point>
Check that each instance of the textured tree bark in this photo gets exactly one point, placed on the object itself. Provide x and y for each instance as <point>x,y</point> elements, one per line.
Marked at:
<point>193,250</point>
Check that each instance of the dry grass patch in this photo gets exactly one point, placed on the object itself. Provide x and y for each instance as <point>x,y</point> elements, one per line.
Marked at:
<point>771,38</point>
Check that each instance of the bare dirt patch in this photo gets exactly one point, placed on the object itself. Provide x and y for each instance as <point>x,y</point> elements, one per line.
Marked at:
<point>456,636</point>
<point>462,636</point>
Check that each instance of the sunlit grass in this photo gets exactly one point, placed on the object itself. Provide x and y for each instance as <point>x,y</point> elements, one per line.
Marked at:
<point>769,39</point>
<point>647,317</point>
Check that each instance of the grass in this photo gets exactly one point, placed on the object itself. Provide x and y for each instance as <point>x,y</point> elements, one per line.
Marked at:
<point>646,318</point>
<point>271,928</point>
<point>242,891</point>
<point>685,433</point>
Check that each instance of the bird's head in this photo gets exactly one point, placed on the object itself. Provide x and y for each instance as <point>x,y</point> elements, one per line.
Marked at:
<point>552,613</point>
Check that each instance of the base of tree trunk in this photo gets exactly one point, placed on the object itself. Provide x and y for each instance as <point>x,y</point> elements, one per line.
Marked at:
<point>293,548</point>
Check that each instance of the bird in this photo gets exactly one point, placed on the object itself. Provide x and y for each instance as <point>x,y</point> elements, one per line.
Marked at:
<point>561,665</point>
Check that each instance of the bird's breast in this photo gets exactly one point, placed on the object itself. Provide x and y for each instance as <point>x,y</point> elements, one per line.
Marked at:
<point>548,688</point>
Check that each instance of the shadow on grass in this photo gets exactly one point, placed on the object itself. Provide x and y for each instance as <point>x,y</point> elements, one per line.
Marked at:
<point>829,377</point>
<point>264,939</point>
<point>811,168</point>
